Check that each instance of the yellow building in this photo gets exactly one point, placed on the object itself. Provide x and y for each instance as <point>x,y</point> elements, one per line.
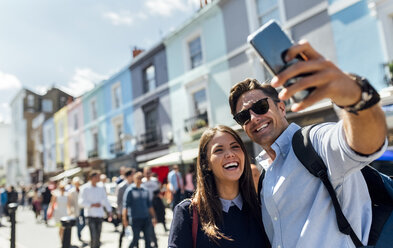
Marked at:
<point>62,153</point>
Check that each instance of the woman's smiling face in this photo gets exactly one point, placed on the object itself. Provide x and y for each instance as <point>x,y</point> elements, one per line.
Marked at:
<point>226,157</point>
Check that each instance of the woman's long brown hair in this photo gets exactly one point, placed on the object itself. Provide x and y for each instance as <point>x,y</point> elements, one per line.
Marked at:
<point>206,198</point>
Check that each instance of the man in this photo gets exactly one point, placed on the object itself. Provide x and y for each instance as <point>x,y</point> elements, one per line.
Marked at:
<point>129,179</point>
<point>46,198</point>
<point>151,184</point>
<point>296,208</point>
<point>93,198</point>
<point>75,210</point>
<point>138,207</point>
<point>121,177</point>
<point>176,185</point>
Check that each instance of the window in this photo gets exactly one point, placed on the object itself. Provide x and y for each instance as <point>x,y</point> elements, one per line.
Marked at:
<point>151,119</point>
<point>119,131</point>
<point>30,100</point>
<point>149,79</point>
<point>77,150</point>
<point>116,95</point>
<point>267,9</point>
<point>63,101</point>
<point>95,141</point>
<point>195,51</point>
<point>47,106</point>
<point>75,121</point>
<point>199,100</point>
<point>93,106</point>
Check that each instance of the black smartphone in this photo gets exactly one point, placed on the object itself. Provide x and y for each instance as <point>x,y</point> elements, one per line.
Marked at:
<point>271,43</point>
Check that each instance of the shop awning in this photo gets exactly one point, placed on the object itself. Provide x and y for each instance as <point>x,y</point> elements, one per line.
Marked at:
<point>187,156</point>
<point>67,173</point>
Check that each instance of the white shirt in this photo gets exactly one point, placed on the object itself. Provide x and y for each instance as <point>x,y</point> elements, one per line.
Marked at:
<point>90,195</point>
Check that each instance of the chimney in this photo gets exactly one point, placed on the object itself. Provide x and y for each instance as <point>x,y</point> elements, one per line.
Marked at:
<point>203,3</point>
<point>136,51</point>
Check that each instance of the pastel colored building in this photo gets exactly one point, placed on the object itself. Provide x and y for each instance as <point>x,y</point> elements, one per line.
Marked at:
<point>76,135</point>
<point>152,115</point>
<point>49,139</point>
<point>198,74</point>
<point>62,147</point>
<point>119,123</point>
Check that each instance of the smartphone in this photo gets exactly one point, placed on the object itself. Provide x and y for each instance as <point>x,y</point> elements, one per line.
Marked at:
<point>271,43</point>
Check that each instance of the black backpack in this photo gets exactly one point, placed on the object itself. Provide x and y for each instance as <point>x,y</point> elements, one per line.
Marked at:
<point>379,185</point>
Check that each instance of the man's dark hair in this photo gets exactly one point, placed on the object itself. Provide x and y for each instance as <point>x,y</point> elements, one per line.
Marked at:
<point>94,173</point>
<point>250,84</point>
<point>129,171</point>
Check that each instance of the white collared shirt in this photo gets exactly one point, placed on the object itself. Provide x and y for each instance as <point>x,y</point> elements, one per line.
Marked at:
<point>226,204</point>
<point>297,210</point>
<point>90,195</point>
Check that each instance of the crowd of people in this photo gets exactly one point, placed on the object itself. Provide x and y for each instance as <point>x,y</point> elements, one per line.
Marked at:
<point>139,196</point>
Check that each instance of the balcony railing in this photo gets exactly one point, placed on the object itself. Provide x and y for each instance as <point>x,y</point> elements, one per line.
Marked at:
<point>93,153</point>
<point>196,122</point>
<point>116,147</point>
<point>151,138</point>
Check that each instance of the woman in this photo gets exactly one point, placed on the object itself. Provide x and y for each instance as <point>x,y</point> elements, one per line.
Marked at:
<point>60,204</point>
<point>225,200</point>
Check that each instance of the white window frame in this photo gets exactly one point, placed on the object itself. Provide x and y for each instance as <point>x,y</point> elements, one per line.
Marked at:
<point>114,96</point>
<point>115,122</point>
<point>193,87</point>
<point>146,83</point>
<point>187,40</point>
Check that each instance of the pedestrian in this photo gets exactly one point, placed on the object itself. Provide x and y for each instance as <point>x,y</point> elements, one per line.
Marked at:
<point>121,176</point>
<point>93,199</point>
<point>296,208</point>
<point>189,178</point>
<point>138,207</point>
<point>60,205</point>
<point>225,206</point>
<point>129,179</point>
<point>3,202</point>
<point>75,209</point>
<point>151,184</point>
<point>159,208</point>
<point>36,202</point>
<point>176,185</point>
<point>46,195</point>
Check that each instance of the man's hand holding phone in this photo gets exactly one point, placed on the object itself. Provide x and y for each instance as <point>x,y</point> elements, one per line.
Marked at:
<point>329,81</point>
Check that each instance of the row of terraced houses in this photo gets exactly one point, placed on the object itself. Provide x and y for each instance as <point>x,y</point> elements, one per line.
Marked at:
<point>153,111</point>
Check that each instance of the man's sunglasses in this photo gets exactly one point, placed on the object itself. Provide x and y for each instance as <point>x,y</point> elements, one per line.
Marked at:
<point>260,107</point>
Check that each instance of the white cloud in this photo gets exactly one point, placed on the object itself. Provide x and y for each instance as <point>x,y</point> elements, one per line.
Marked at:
<point>165,7</point>
<point>121,18</point>
<point>82,81</point>
<point>9,81</point>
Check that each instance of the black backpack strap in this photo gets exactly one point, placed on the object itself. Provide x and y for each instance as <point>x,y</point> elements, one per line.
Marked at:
<point>307,155</point>
<point>260,181</point>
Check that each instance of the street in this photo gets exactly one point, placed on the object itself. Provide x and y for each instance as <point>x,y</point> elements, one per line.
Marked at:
<point>32,234</point>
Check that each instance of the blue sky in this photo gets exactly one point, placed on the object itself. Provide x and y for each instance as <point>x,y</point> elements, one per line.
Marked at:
<point>72,44</point>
